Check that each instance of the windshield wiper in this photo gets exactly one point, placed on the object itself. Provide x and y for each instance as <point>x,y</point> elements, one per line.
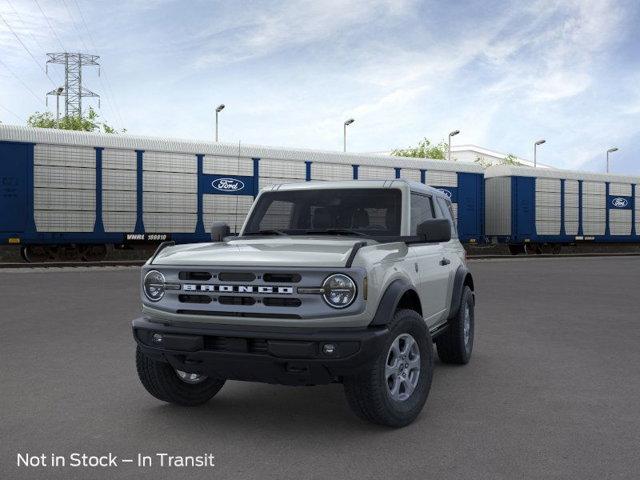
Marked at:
<point>336,231</point>
<point>266,232</point>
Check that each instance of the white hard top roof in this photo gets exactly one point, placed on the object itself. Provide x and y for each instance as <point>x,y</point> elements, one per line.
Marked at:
<point>130,142</point>
<point>346,184</point>
<point>515,171</point>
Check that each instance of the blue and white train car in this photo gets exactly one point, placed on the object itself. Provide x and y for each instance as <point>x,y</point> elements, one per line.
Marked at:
<point>536,210</point>
<point>76,192</point>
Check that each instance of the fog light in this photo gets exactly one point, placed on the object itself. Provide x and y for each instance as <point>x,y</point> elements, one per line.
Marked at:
<point>157,338</point>
<point>328,349</point>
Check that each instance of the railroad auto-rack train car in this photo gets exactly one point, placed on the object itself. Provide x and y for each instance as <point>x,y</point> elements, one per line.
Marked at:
<point>69,195</point>
<point>536,210</point>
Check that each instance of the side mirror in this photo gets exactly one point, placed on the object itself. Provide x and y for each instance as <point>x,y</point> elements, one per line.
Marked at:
<point>219,230</point>
<point>435,230</point>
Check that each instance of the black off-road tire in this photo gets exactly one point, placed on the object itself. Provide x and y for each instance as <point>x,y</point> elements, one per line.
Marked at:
<point>162,381</point>
<point>368,394</point>
<point>452,347</point>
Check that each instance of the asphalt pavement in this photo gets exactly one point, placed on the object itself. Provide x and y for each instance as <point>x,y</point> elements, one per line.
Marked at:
<point>552,391</point>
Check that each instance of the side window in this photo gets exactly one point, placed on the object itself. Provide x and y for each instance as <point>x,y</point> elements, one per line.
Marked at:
<point>421,210</point>
<point>447,211</point>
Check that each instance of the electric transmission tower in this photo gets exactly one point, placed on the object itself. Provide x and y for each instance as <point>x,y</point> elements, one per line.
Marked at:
<point>73,90</point>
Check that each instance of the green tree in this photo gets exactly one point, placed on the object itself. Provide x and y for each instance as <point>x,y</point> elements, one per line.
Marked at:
<point>425,149</point>
<point>510,159</point>
<point>87,123</point>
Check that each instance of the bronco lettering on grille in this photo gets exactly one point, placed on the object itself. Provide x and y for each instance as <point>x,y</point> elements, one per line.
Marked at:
<point>282,290</point>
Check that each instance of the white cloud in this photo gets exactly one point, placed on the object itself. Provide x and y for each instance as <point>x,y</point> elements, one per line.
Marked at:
<point>291,72</point>
<point>260,32</point>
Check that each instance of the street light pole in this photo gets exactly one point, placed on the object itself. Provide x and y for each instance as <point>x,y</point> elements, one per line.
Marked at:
<point>344,137</point>
<point>59,91</point>
<point>535,152</point>
<point>219,108</point>
<point>451,134</point>
<point>611,150</point>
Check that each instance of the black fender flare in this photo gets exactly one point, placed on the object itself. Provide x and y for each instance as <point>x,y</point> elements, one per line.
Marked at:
<point>389,301</point>
<point>463,276</point>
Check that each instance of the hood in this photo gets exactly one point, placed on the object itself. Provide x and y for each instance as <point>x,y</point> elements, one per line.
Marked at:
<point>262,252</point>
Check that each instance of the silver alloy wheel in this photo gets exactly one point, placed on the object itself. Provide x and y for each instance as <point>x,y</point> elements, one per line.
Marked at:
<point>402,368</point>
<point>191,378</point>
<point>467,325</point>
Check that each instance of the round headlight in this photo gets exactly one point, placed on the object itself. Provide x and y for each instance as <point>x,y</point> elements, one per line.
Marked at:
<point>154,285</point>
<point>339,290</point>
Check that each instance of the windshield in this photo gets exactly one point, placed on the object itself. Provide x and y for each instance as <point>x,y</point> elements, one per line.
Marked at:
<point>358,211</point>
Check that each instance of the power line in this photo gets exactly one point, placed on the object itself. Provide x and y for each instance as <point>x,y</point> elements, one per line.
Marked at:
<point>84,23</point>
<point>75,27</point>
<point>24,25</point>
<point>106,85</point>
<point>50,26</point>
<point>21,81</point>
<point>27,49</point>
<point>12,113</point>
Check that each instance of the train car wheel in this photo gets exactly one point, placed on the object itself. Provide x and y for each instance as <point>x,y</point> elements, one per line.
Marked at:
<point>556,249</point>
<point>68,253</point>
<point>532,249</point>
<point>34,253</point>
<point>93,253</point>
<point>516,249</point>
<point>547,248</point>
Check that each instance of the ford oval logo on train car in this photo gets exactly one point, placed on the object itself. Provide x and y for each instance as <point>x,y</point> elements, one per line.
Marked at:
<point>228,184</point>
<point>446,192</point>
<point>619,202</point>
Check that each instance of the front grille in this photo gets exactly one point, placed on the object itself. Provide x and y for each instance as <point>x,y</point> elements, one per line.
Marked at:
<point>257,345</point>
<point>267,293</point>
<point>215,343</point>
<point>236,277</point>
<point>281,277</point>
<point>234,344</point>
<point>239,314</point>
<point>282,302</point>
<point>228,300</point>
<point>195,299</point>
<point>197,276</point>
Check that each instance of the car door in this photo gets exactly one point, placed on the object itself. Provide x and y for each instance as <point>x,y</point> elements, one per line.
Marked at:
<point>433,272</point>
<point>453,249</point>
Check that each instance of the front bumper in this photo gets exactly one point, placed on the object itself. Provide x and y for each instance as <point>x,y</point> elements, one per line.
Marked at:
<point>289,356</point>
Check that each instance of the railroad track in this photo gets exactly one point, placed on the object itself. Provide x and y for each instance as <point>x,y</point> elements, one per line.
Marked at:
<point>137,263</point>
<point>550,255</point>
<point>105,263</point>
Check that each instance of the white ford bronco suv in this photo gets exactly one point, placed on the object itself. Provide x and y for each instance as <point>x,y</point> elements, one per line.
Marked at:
<point>346,282</point>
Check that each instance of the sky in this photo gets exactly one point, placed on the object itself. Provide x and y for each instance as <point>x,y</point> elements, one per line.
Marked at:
<point>291,72</point>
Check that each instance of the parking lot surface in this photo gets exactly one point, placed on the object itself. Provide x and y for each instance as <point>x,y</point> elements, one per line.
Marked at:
<point>552,391</point>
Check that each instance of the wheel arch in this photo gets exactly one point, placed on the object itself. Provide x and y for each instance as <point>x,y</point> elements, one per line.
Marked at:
<point>399,294</point>
<point>463,278</point>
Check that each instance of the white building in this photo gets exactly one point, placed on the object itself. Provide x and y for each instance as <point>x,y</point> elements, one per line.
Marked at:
<point>471,153</point>
<point>480,155</point>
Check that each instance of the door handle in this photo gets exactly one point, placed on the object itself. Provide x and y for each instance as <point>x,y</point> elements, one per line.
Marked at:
<point>445,261</point>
